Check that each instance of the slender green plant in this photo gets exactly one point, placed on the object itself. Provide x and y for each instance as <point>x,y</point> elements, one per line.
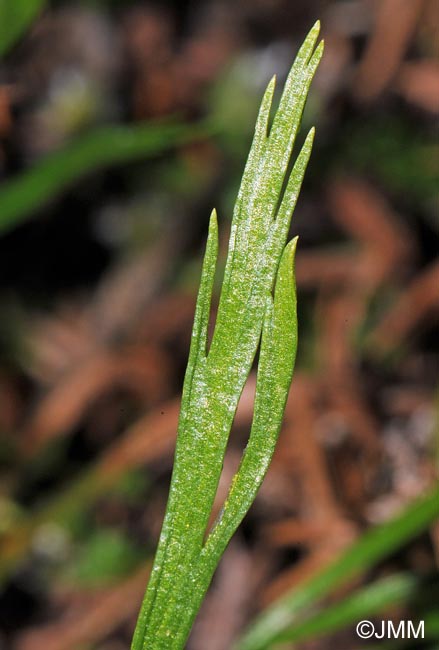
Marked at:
<point>16,16</point>
<point>23,195</point>
<point>248,315</point>
<point>303,612</point>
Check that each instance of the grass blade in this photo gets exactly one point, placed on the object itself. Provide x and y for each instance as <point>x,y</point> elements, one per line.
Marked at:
<point>366,602</point>
<point>370,549</point>
<point>15,17</point>
<point>22,196</point>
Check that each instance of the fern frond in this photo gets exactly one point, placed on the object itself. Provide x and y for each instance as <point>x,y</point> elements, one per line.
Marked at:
<point>248,315</point>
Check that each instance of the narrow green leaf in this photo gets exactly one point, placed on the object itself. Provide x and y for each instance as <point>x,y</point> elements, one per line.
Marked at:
<point>369,600</point>
<point>22,196</point>
<point>185,560</point>
<point>15,17</point>
<point>198,349</point>
<point>275,370</point>
<point>371,548</point>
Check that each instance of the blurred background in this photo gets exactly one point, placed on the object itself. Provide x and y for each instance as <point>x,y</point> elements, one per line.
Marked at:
<point>121,125</point>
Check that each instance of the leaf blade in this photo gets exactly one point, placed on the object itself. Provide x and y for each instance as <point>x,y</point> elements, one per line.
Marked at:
<point>180,578</point>
<point>375,545</point>
<point>22,196</point>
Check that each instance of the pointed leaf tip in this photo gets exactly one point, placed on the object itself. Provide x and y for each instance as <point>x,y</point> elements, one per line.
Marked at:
<point>285,274</point>
<point>310,136</point>
<point>289,253</point>
<point>315,29</point>
<point>213,221</point>
<point>293,243</point>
